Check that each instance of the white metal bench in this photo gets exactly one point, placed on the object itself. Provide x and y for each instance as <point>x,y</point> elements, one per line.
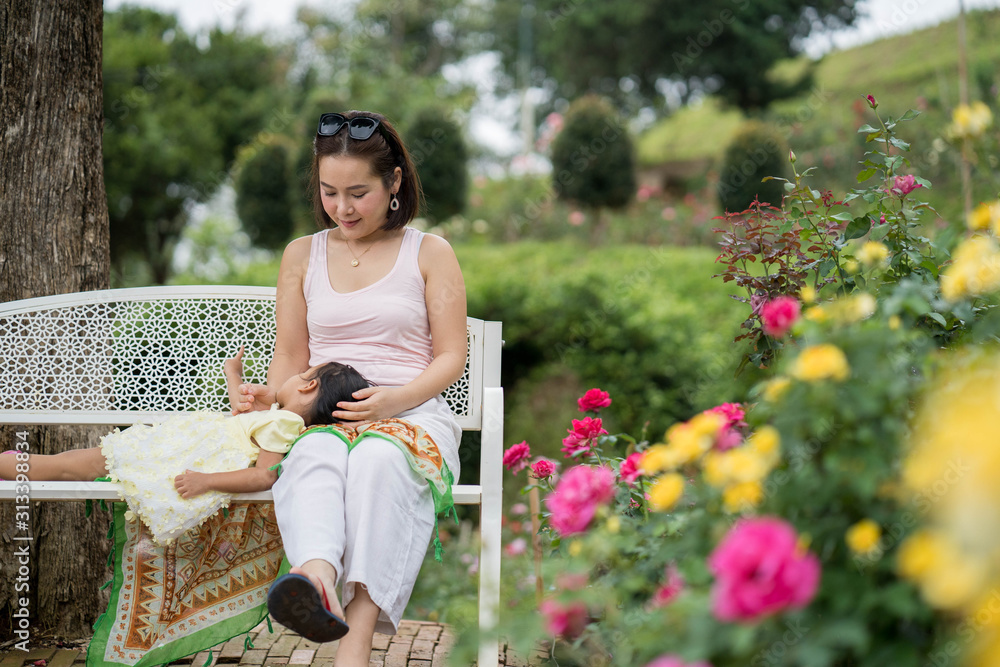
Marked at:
<point>115,357</point>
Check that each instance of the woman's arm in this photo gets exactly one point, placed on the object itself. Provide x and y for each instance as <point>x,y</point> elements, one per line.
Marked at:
<point>444,295</point>
<point>259,478</point>
<point>291,344</point>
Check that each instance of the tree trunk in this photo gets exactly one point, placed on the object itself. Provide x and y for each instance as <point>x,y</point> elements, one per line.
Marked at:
<point>53,239</point>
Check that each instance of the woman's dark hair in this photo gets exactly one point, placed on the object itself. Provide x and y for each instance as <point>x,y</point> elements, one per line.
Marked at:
<point>383,156</point>
<point>337,382</point>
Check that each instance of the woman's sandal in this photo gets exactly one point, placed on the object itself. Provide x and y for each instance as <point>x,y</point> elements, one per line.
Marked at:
<point>295,603</point>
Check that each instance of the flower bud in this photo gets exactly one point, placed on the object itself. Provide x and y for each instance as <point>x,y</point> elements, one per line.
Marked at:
<point>872,102</point>
<point>791,157</point>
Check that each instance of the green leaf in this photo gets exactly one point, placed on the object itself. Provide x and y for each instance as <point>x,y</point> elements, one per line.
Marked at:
<point>939,318</point>
<point>789,187</point>
<point>867,128</point>
<point>923,181</point>
<point>909,115</point>
<point>879,232</point>
<point>857,228</point>
<point>872,137</point>
<point>866,174</point>
<point>843,216</point>
<point>899,143</point>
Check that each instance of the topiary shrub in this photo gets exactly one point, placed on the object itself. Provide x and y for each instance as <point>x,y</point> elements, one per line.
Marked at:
<point>593,159</point>
<point>440,156</point>
<point>262,186</point>
<point>757,150</point>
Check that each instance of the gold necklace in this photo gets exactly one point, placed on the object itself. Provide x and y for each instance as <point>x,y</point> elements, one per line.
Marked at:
<point>357,258</point>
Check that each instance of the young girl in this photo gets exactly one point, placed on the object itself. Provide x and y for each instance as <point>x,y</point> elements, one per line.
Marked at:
<point>177,473</point>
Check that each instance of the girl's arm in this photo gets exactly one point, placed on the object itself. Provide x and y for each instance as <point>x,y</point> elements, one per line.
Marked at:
<point>291,345</point>
<point>446,312</point>
<point>259,478</point>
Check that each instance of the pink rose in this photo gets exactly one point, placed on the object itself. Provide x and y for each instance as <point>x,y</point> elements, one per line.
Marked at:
<point>572,581</point>
<point>577,496</point>
<point>675,661</point>
<point>778,315</point>
<point>543,469</point>
<point>760,570</point>
<point>733,412</point>
<point>727,439</point>
<point>672,586</point>
<point>629,470</point>
<point>871,101</point>
<point>582,436</point>
<point>516,547</point>
<point>904,185</point>
<point>564,620</point>
<point>516,458</point>
<point>594,400</point>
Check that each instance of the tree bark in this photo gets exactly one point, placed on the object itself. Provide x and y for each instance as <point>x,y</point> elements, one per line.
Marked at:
<point>53,239</point>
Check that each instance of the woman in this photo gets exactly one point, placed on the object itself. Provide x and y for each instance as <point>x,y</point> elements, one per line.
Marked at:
<point>390,301</point>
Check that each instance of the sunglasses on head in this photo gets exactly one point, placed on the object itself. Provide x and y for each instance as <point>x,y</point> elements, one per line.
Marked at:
<point>359,127</point>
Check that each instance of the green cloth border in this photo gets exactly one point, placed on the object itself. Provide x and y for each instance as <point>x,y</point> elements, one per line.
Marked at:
<point>204,639</point>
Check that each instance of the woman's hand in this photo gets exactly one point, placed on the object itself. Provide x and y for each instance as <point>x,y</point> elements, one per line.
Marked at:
<point>251,397</point>
<point>190,484</point>
<point>372,404</point>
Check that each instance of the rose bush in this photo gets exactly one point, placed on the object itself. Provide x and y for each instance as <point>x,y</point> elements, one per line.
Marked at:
<point>846,511</point>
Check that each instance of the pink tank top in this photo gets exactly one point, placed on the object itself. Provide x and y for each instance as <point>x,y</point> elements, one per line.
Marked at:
<point>381,330</point>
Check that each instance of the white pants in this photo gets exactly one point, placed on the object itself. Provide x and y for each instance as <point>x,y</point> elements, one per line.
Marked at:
<point>368,514</point>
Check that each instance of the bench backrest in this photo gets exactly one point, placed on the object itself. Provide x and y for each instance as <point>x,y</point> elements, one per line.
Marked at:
<point>126,355</point>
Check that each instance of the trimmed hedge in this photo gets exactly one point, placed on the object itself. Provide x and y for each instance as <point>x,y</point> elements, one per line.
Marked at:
<point>647,324</point>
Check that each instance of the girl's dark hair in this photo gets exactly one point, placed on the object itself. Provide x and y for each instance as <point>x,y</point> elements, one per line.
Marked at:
<point>336,383</point>
<point>383,155</point>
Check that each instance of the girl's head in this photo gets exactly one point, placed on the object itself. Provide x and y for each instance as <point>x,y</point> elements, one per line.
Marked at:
<point>370,143</point>
<point>315,393</point>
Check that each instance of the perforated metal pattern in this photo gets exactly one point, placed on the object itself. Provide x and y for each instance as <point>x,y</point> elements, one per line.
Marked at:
<point>141,355</point>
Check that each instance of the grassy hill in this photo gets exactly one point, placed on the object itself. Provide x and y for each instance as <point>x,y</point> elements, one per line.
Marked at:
<point>918,70</point>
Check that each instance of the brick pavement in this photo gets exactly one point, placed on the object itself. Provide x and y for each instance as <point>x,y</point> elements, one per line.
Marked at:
<point>417,644</point>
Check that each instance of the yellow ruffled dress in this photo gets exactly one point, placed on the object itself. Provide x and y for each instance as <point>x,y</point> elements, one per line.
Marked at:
<point>143,461</point>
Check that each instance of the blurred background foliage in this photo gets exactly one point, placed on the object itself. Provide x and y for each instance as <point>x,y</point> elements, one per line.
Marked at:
<point>208,136</point>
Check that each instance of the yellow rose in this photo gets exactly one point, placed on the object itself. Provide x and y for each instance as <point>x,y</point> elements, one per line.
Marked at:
<point>970,120</point>
<point>985,216</point>
<point>975,269</point>
<point>873,253</point>
<point>808,294</point>
<point>666,491</point>
<point>862,538</point>
<point>765,441</point>
<point>774,389</point>
<point>821,362</point>
<point>742,497</point>
<point>660,458</point>
<point>948,577</point>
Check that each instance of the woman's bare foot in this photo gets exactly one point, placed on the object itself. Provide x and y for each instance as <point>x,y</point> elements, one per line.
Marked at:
<point>323,577</point>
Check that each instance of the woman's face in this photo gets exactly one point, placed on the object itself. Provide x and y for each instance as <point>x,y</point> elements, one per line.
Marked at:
<point>355,198</point>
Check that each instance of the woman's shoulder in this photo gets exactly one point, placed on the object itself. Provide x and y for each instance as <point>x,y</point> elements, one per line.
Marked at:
<point>437,257</point>
<point>299,247</point>
<point>434,247</point>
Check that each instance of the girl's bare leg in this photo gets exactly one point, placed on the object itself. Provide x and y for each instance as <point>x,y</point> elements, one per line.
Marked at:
<point>355,648</point>
<point>74,465</point>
